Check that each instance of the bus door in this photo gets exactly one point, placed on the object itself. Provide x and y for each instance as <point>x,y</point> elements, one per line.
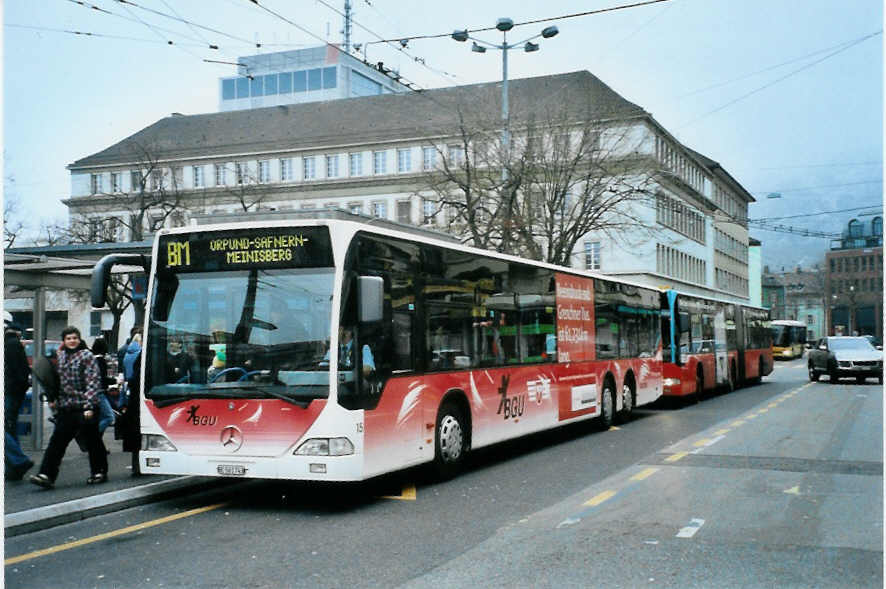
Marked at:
<point>721,359</point>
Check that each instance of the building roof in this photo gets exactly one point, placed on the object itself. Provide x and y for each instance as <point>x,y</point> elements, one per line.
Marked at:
<point>721,173</point>
<point>362,120</point>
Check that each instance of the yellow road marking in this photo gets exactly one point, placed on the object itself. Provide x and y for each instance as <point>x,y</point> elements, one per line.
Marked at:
<point>762,411</point>
<point>112,534</point>
<point>701,442</point>
<point>598,499</point>
<point>645,473</point>
<point>737,423</point>
<point>751,416</point>
<point>408,494</point>
<point>772,405</point>
<point>720,432</point>
<point>675,457</point>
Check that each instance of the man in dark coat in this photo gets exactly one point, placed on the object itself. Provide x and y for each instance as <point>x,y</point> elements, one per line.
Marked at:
<point>15,375</point>
<point>15,387</point>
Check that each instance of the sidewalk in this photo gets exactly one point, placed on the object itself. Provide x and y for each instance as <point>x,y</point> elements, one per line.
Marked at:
<point>28,508</point>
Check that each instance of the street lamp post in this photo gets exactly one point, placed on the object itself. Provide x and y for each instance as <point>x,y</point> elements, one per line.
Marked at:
<point>479,46</point>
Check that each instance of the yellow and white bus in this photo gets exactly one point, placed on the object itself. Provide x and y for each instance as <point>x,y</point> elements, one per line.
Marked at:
<point>788,339</point>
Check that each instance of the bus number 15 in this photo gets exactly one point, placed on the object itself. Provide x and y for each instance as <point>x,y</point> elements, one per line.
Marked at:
<point>178,254</point>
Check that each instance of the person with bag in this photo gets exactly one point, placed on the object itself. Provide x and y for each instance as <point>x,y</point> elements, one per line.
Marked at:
<point>76,411</point>
<point>15,388</point>
<point>105,413</point>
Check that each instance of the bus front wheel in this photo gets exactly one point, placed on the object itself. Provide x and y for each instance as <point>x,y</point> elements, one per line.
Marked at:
<point>451,443</point>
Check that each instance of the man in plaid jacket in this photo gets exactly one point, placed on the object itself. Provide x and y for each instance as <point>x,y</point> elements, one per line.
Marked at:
<point>76,411</point>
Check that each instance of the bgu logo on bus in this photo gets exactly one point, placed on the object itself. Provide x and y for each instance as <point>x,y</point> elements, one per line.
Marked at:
<point>575,318</point>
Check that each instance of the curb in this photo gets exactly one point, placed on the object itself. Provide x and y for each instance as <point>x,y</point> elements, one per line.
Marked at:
<point>41,518</point>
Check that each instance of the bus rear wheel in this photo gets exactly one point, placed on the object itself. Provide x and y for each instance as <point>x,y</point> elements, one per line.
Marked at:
<point>607,405</point>
<point>628,402</point>
<point>451,442</point>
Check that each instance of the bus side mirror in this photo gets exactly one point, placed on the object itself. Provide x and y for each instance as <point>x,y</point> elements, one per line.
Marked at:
<point>371,294</point>
<point>101,274</point>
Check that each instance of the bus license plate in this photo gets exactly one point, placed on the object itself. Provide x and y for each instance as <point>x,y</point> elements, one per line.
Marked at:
<point>231,470</point>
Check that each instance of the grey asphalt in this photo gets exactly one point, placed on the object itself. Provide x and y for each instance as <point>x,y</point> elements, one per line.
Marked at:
<point>28,508</point>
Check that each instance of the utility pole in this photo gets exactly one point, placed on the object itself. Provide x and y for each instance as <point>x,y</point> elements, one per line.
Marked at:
<point>347,29</point>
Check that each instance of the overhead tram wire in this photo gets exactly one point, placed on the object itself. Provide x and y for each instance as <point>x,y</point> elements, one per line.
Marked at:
<point>766,69</point>
<point>185,21</point>
<point>408,83</point>
<point>784,77</point>
<point>139,21</point>
<point>394,44</point>
<point>528,22</point>
<point>99,35</point>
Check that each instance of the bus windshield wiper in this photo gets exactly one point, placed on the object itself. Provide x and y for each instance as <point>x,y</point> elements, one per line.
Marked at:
<point>292,399</point>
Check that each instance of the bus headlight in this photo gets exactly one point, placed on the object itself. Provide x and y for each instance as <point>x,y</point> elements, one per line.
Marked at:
<point>672,382</point>
<point>157,443</point>
<point>325,447</point>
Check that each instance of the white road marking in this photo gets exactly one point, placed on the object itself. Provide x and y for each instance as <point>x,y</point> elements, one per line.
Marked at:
<point>689,531</point>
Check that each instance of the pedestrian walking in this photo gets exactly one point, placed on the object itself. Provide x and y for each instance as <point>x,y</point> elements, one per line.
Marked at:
<point>131,413</point>
<point>16,462</point>
<point>76,411</point>
<point>15,388</point>
<point>105,412</point>
<point>16,375</point>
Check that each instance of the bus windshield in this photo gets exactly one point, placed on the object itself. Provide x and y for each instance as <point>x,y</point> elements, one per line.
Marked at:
<point>242,333</point>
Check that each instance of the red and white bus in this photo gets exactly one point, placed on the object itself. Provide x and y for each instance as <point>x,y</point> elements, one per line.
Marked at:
<point>331,349</point>
<point>710,343</point>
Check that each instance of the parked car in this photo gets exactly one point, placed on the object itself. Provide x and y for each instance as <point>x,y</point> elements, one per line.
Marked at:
<point>49,347</point>
<point>843,356</point>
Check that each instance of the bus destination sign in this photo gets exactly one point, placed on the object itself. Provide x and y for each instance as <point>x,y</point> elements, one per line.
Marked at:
<point>278,247</point>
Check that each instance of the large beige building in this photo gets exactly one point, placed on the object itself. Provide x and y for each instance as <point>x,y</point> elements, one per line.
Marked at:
<point>374,155</point>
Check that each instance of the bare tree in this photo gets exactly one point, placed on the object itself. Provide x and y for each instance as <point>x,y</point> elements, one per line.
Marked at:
<point>554,182</point>
<point>248,189</point>
<point>13,226</point>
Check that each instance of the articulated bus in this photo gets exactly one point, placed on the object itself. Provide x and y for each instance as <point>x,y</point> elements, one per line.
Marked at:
<point>331,349</point>
<point>788,339</point>
<point>710,343</point>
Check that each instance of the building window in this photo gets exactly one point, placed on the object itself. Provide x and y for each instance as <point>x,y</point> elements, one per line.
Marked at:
<point>240,172</point>
<point>404,211</point>
<point>355,208</point>
<point>178,177</point>
<point>428,158</point>
<point>332,166</point>
<point>264,171</point>
<point>309,168</point>
<point>198,177</point>
<point>308,206</point>
<point>380,210</point>
<point>177,219</point>
<point>355,164</point>
<point>156,180</point>
<point>116,181</point>
<point>456,155</point>
<point>854,228</point>
<point>404,160</point>
<point>95,323</point>
<point>877,226</point>
<point>429,210</point>
<point>379,162</point>
<point>95,183</point>
<point>135,180</point>
<point>592,255</point>
<point>286,174</point>
<point>220,175</point>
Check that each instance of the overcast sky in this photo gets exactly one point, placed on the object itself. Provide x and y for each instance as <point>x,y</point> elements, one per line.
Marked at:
<point>785,94</point>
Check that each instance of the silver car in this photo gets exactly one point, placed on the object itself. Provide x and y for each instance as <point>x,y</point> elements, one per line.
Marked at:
<point>845,357</point>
